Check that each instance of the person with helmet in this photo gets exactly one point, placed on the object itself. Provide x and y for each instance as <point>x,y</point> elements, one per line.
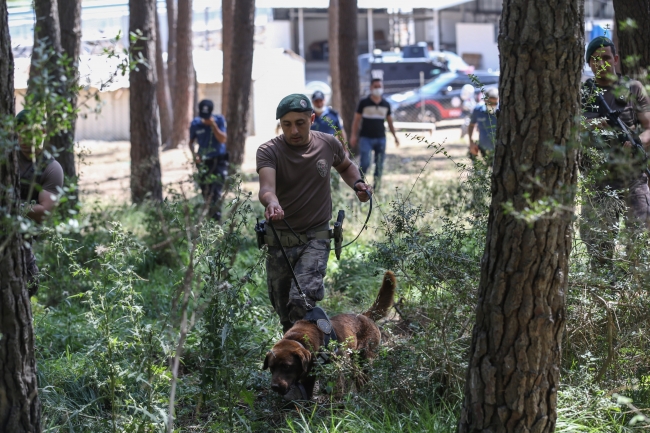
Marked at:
<point>294,174</point>
<point>41,182</point>
<point>209,130</point>
<point>468,98</point>
<point>484,115</point>
<point>327,119</point>
<point>616,171</point>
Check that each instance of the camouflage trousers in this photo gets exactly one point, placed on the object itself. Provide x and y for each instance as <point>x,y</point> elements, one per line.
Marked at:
<point>310,265</point>
<point>601,216</point>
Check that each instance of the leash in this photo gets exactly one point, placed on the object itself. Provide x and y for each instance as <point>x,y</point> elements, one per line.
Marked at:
<point>365,225</point>
<point>293,274</point>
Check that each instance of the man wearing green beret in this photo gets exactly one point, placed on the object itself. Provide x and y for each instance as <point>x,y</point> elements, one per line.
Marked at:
<point>294,172</point>
<point>617,173</point>
<point>41,180</point>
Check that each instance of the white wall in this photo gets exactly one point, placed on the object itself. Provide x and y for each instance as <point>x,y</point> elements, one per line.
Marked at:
<point>277,34</point>
<point>478,38</point>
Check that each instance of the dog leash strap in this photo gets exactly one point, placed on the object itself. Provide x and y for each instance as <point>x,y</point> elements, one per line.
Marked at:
<point>293,274</point>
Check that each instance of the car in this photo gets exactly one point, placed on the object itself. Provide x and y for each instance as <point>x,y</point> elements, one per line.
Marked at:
<point>454,62</point>
<point>438,99</point>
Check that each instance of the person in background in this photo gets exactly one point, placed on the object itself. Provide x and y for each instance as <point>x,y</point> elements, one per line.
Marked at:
<point>484,115</point>
<point>41,182</point>
<point>368,129</point>
<point>327,119</point>
<point>469,103</point>
<point>211,160</point>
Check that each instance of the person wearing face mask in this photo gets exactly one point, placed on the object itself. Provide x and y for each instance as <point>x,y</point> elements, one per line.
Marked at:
<point>368,130</point>
<point>484,115</point>
<point>327,120</point>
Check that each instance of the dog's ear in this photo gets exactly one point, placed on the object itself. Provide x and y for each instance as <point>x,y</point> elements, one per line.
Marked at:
<point>266,360</point>
<point>304,356</point>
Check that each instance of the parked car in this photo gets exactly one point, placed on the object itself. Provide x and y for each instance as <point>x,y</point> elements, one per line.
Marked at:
<point>454,62</point>
<point>440,97</point>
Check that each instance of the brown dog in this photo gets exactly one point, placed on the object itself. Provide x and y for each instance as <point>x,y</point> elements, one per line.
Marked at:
<point>291,359</point>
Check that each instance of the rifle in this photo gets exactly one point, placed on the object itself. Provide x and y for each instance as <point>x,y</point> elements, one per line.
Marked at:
<point>614,120</point>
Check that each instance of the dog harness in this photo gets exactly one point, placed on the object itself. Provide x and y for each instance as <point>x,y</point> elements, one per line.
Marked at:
<point>318,317</point>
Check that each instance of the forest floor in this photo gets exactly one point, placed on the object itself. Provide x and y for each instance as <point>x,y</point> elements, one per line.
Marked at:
<point>105,166</point>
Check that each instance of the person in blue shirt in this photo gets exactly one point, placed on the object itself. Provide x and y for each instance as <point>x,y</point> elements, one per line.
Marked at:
<point>327,120</point>
<point>484,115</point>
<point>211,160</point>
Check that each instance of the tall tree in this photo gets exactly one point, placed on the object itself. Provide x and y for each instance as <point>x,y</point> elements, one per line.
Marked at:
<point>162,92</point>
<point>47,36</point>
<point>172,14</point>
<point>145,163</point>
<point>227,31</point>
<point>241,69</point>
<point>70,23</point>
<point>333,45</point>
<point>20,407</point>
<point>184,81</point>
<point>514,365</point>
<point>348,66</point>
<point>633,34</point>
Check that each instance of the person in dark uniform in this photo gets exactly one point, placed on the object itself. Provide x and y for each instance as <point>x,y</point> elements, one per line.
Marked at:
<point>618,178</point>
<point>327,119</point>
<point>209,130</point>
<point>41,182</point>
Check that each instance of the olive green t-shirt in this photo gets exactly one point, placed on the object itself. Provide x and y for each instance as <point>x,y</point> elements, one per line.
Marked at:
<point>302,180</point>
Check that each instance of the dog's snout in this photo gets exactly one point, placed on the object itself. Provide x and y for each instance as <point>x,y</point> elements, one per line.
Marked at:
<point>275,387</point>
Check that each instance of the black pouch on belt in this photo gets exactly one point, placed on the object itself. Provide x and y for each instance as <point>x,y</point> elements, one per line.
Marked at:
<point>260,231</point>
<point>338,234</point>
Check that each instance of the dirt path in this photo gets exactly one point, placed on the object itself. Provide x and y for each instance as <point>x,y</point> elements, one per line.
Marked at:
<point>105,167</point>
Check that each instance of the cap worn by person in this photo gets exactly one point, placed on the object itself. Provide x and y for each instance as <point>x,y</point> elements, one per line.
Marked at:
<point>493,93</point>
<point>294,102</point>
<point>318,95</point>
<point>21,117</point>
<point>596,43</point>
<point>205,108</point>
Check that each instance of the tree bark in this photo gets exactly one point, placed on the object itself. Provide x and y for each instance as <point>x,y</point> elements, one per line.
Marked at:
<point>47,34</point>
<point>241,69</point>
<point>20,407</point>
<point>633,34</point>
<point>514,359</point>
<point>348,63</point>
<point>70,23</point>
<point>227,32</point>
<point>184,84</point>
<point>172,16</point>
<point>162,92</point>
<point>333,43</point>
<point>145,163</point>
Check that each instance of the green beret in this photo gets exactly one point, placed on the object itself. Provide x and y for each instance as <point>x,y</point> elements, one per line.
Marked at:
<point>293,102</point>
<point>596,43</point>
<point>21,118</point>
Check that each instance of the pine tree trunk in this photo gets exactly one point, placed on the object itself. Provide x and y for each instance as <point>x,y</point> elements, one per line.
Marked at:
<point>241,69</point>
<point>333,44</point>
<point>70,23</point>
<point>162,92</point>
<point>145,141</point>
<point>184,81</point>
<point>348,63</point>
<point>633,40</point>
<point>514,362</point>
<point>20,407</point>
<point>47,34</point>
<point>227,31</point>
<point>172,15</point>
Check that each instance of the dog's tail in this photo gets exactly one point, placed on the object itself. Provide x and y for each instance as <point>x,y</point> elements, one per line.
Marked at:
<point>384,299</point>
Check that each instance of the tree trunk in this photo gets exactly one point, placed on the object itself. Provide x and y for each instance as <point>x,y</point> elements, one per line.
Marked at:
<point>333,43</point>
<point>20,407</point>
<point>47,34</point>
<point>227,32</point>
<point>70,22</point>
<point>514,359</point>
<point>145,141</point>
<point>183,86</point>
<point>241,69</point>
<point>171,43</point>
<point>162,92</point>
<point>633,34</point>
<point>348,63</point>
